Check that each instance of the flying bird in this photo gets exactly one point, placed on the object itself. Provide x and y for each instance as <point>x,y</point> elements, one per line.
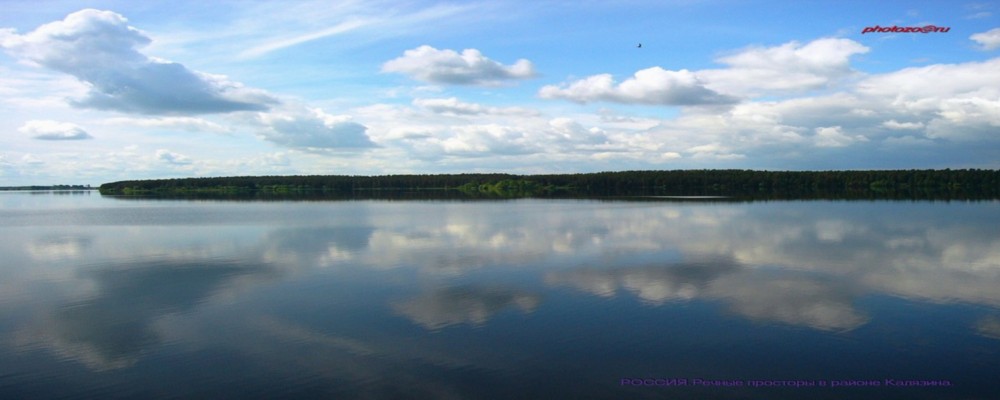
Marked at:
<point>639,46</point>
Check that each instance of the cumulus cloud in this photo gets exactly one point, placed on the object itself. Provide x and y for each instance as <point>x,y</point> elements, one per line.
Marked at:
<point>974,110</point>
<point>966,119</point>
<point>312,128</point>
<point>946,103</point>
<point>100,49</point>
<point>471,67</point>
<point>486,140</point>
<point>789,67</point>
<point>648,86</point>
<point>712,150</point>
<point>751,72</point>
<point>568,130</point>
<point>54,130</point>
<point>910,108</point>
<point>989,40</point>
<point>833,136</point>
<point>921,88</point>
<point>170,157</point>
<point>896,125</point>
<point>507,134</point>
<point>953,101</point>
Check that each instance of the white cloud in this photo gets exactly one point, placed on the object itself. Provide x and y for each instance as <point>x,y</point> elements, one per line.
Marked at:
<point>568,130</point>
<point>751,72</point>
<point>185,123</point>
<point>989,40</point>
<point>487,140</point>
<point>713,150</point>
<point>170,157</point>
<point>453,106</point>
<point>312,129</point>
<point>648,86</point>
<point>788,67</point>
<point>972,109</point>
<point>922,88</point>
<point>471,67</point>
<point>54,130</point>
<point>31,159</point>
<point>257,29</point>
<point>101,49</point>
<point>947,102</point>
<point>833,136</point>
<point>278,44</point>
<point>896,125</point>
<point>971,118</point>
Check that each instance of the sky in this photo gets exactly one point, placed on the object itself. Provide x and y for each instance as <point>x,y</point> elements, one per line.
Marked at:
<point>100,91</point>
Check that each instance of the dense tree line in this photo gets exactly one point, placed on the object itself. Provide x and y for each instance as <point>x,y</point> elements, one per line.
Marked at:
<point>947,183</point>
<point>49,187</point>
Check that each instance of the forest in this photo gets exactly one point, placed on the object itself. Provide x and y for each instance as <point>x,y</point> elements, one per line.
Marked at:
<point>47,187</point>
<point>916,184</point>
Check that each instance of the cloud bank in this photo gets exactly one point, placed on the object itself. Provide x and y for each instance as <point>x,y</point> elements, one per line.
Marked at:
<point>752,72</point>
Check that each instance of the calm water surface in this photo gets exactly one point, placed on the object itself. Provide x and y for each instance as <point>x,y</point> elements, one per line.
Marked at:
<point>548,299</point>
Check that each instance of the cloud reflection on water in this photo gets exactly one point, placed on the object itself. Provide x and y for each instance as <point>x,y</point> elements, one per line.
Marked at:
<point>112,328</point>
<point>463,305</point>
<point>989,326</point>
<point>796,263</point>
<point>778,296</point>
<point>55,247</point>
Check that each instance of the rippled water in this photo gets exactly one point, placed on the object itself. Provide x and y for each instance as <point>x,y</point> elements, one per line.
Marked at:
<point>110,298</point>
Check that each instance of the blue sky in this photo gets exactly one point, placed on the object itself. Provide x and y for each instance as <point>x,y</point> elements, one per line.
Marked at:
<point>92,92</point>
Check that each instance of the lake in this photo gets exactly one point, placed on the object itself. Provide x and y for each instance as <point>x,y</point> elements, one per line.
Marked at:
<point>104,297</point>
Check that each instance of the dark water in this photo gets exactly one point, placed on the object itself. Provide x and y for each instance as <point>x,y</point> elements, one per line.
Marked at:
<point>526,299</point>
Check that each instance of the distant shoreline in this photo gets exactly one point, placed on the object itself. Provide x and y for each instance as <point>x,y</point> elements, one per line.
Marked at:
<point>50,188</point>
<point>916,184</point>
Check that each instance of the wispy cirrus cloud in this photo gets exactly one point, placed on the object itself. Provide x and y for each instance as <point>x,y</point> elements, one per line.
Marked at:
<point>281,43</point>
<point>261,29</point>
<point>454,106</point>
<point>186,123</point>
